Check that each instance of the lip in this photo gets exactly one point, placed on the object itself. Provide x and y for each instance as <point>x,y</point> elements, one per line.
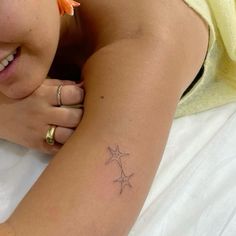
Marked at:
<point>6,74</point>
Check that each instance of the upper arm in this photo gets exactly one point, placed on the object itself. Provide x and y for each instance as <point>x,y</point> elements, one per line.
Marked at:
<point>133,85</point>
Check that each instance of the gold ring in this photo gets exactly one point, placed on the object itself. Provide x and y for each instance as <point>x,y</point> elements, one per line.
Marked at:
<point>59,102</point>
<point>50,135</point>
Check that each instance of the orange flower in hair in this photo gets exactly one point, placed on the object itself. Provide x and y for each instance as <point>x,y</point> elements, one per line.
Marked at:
<point>67,6</point>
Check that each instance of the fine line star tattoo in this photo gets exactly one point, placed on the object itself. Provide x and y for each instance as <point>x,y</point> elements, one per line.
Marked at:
<point>116,155</point>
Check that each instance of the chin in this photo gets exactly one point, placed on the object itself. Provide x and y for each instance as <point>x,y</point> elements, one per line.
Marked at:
<point>20,92</point>
<point>19,95</point>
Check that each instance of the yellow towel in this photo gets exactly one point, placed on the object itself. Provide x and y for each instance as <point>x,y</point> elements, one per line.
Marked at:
<point>217,86</point>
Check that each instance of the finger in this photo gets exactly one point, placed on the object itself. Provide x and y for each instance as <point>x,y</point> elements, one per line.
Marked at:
<point>50,149</point>
<point>69,95</point>
<point>65,117</point>
<point>57,82</point>
<point>62,134</point>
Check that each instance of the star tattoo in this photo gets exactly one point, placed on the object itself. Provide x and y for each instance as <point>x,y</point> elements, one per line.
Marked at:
<point>124,181</point>
<point>115,155</point>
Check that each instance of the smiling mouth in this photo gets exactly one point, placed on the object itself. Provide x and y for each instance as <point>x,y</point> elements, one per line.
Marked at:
<point>8,65</point>
<point>7,61</point>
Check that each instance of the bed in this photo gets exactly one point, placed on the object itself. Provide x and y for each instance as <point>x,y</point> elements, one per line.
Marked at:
<point>193,192</point>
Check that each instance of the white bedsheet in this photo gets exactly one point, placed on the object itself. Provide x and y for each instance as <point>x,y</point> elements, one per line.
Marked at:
<point>193,193</point>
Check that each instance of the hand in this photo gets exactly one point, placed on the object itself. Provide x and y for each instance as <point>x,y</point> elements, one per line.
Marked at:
<point>26,121</point>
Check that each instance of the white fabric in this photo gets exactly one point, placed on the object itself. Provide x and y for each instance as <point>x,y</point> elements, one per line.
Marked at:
<point>193,193</point>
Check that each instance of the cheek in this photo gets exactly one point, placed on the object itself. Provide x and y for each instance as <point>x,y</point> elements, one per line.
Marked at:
<point>15,22</point>
<point>21,20</point>
<point>22,88</point>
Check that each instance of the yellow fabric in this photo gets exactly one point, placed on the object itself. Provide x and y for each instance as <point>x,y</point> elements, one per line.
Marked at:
<point>217,86</point>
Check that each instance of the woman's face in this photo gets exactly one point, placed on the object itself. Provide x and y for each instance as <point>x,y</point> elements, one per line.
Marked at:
<point>32,28</point>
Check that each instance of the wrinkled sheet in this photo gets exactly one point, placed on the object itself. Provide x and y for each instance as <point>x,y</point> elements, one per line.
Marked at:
<point>193,192</point>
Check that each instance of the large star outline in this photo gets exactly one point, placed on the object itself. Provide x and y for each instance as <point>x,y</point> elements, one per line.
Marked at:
<point>116,155</point>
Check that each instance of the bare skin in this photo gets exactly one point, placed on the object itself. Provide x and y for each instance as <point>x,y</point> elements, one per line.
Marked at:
<point>139,69</point>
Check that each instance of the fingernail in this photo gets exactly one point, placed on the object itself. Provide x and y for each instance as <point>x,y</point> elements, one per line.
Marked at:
<point>80,84</point>
<point>68,82</point>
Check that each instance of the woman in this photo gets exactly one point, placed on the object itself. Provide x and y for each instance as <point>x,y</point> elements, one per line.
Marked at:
<point>137,66</point>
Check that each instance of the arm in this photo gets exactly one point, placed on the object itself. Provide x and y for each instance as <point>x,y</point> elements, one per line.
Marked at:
<point>133,87</point>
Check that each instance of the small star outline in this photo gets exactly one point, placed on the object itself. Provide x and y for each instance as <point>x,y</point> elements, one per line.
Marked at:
<point>124,181</point>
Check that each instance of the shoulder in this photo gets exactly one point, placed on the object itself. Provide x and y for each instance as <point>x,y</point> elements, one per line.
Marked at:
<point>112,20</point>
<point>173,25</point>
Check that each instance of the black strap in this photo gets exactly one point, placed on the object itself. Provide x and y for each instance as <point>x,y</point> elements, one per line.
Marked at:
<point>199,75</point>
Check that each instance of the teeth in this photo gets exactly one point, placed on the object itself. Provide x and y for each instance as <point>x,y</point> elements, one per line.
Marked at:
<point>6,61</point>
<point>10,58</point>
<point>1,67</point>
